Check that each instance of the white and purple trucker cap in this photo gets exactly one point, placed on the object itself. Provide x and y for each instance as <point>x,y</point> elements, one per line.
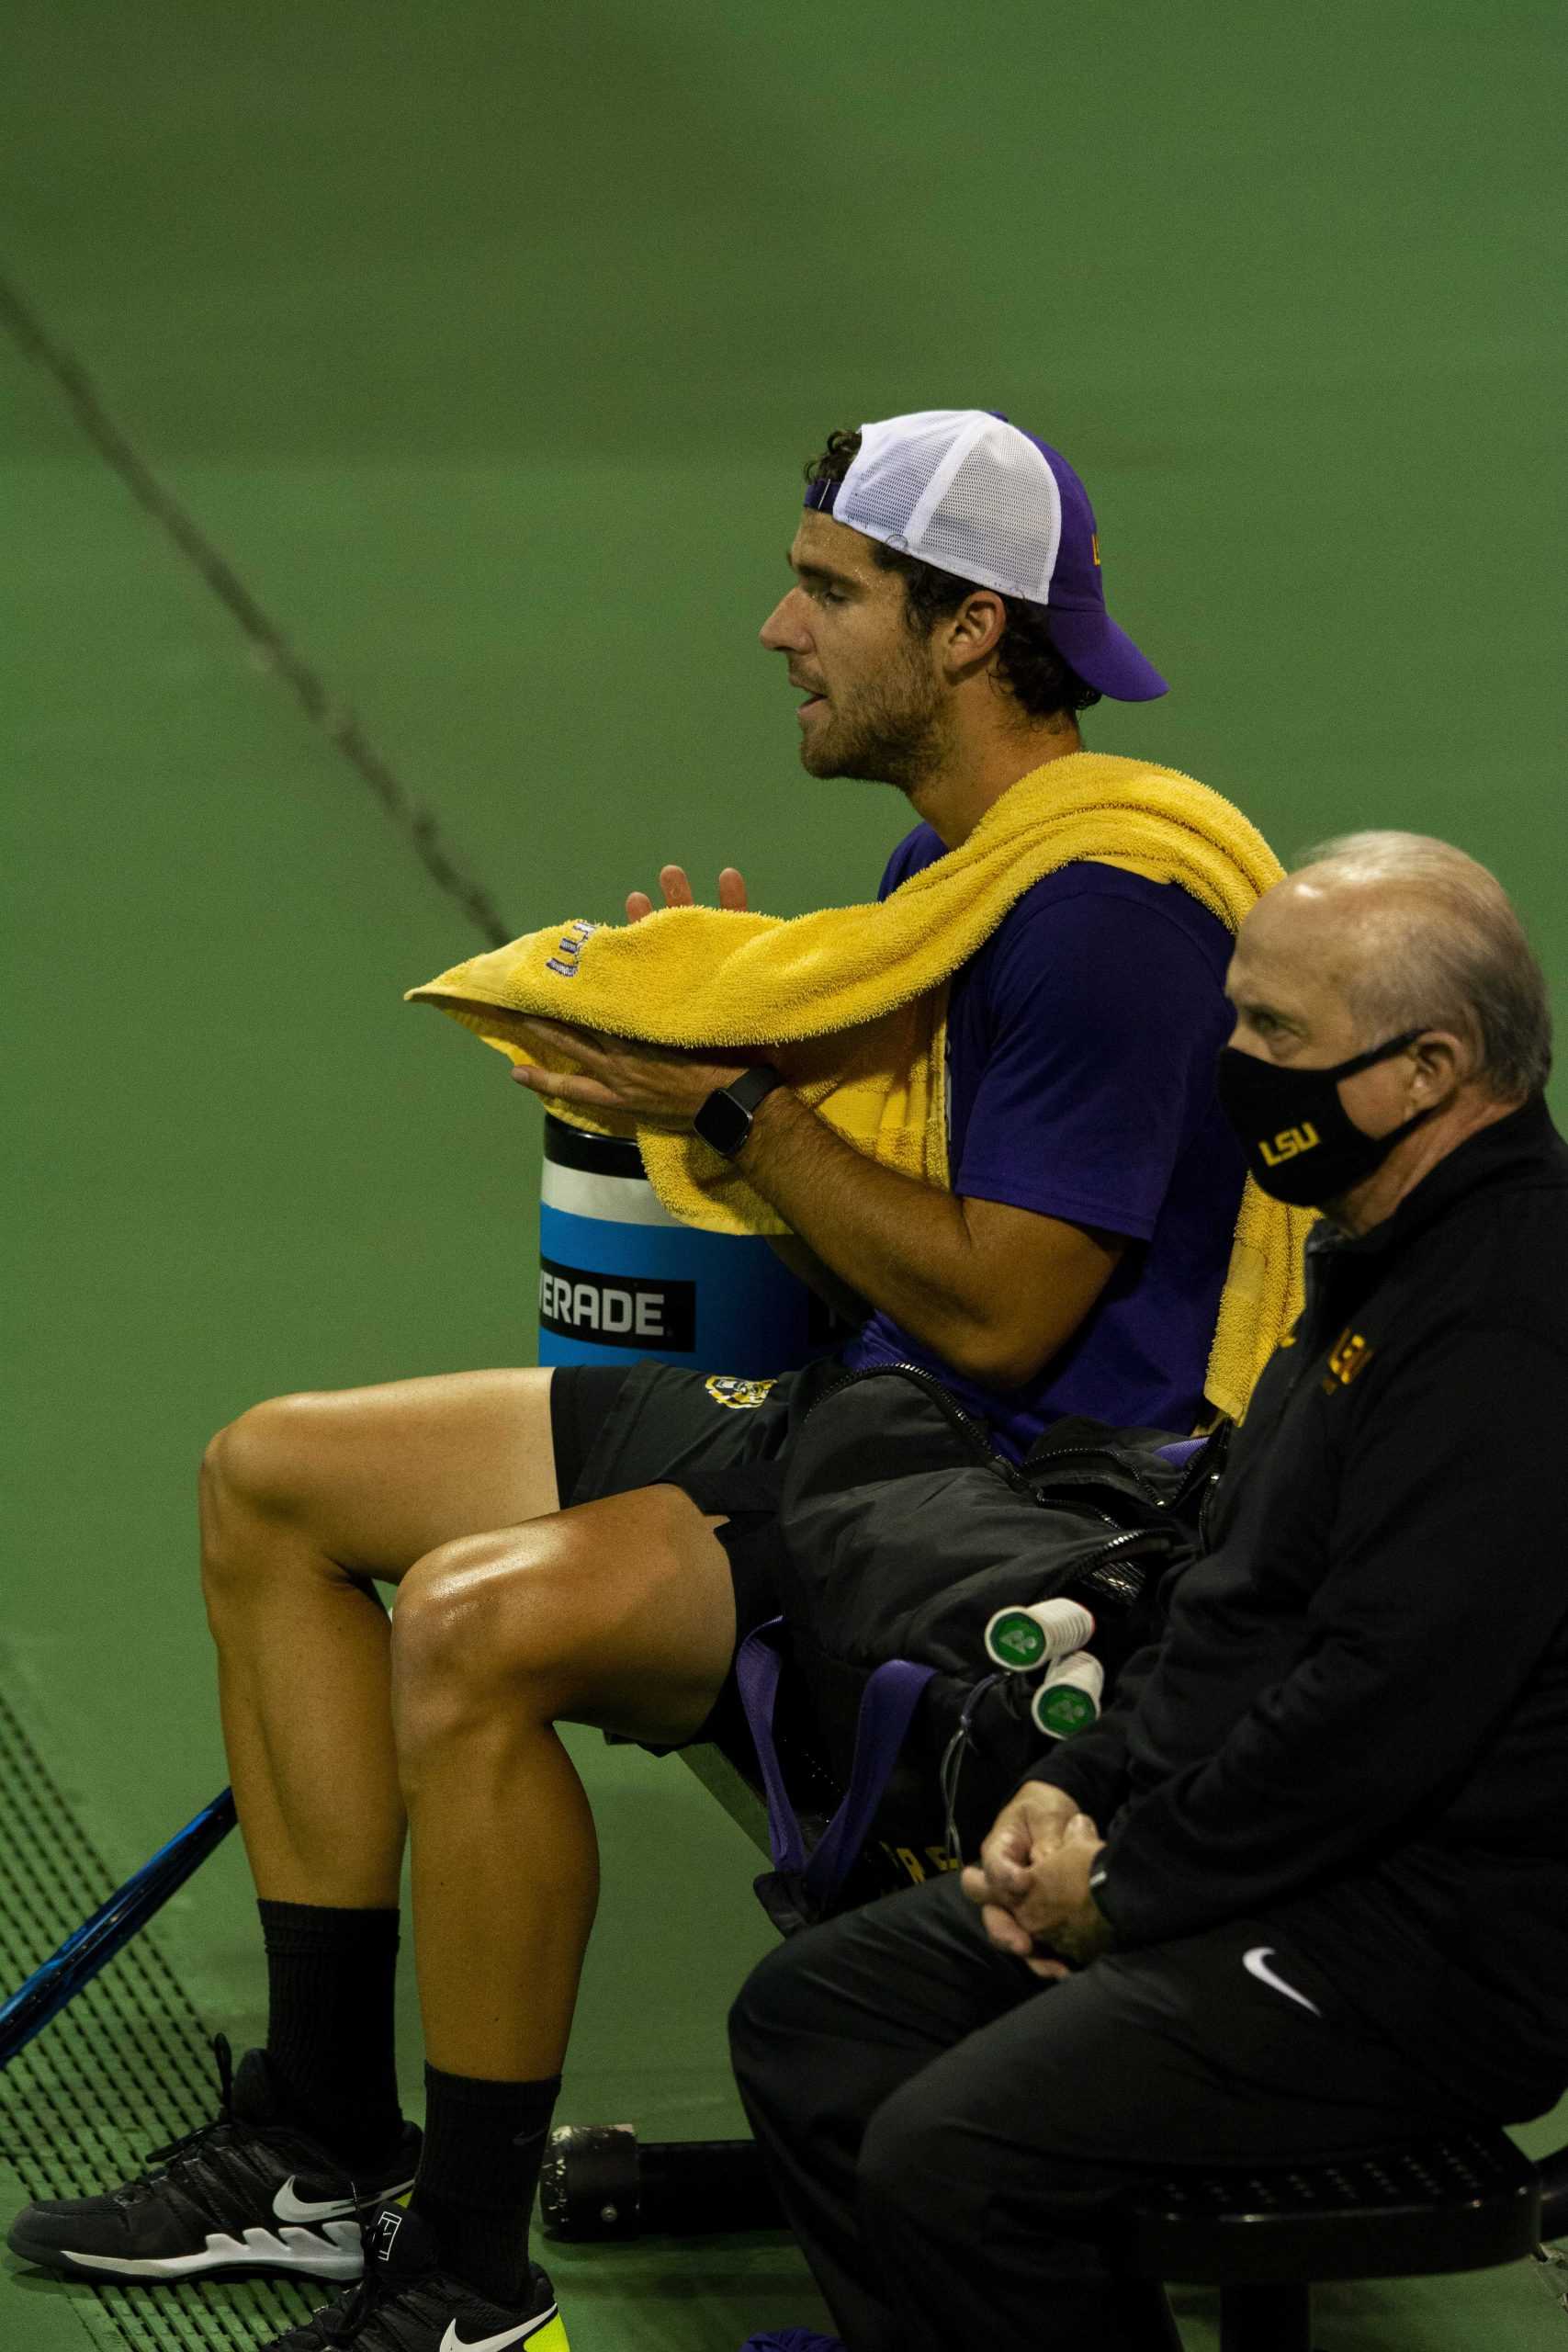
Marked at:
<point>963,489</point>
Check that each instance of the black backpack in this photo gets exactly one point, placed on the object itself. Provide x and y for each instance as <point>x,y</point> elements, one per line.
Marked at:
<point>903,1533</point>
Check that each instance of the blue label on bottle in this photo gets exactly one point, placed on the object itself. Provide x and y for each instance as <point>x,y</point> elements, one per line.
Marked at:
<point>630,1292</point>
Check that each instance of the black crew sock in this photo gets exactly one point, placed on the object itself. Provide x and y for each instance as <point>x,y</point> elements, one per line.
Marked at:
<point>484,2142</point>
<point>329,2035</point>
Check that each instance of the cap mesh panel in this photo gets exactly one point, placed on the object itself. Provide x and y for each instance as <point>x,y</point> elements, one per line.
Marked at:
<point>888,480</point>
<point>997,522</point>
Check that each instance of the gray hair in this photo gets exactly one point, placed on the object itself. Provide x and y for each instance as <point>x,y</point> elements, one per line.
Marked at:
<point>1452,954</point>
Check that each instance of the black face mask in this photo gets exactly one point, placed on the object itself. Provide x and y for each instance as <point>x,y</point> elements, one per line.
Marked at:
<point>1303,1145</point>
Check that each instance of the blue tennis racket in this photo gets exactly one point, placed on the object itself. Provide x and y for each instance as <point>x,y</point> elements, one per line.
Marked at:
<point>111,1927</point>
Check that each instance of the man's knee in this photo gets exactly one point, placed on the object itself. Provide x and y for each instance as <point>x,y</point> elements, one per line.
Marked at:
<point>490,1623</point>
<point>254,1470</point>
<point>578,1616</point>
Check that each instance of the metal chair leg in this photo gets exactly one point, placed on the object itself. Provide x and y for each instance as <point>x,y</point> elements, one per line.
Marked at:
<point>1257,2318</point>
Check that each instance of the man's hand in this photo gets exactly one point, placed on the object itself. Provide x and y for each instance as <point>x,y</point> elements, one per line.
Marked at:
<point>658,1085</point>
<point>677,892</point>
<point>1032,1881</point>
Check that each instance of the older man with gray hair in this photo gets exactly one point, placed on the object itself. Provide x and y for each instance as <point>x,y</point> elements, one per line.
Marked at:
<point>1305,1886</point>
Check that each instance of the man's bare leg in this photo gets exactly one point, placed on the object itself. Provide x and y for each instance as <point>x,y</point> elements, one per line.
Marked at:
<point>303,1501</point>
<point>619,1614</point>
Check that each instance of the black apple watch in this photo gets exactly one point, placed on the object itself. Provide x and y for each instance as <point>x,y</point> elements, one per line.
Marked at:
<point>725,1119</point>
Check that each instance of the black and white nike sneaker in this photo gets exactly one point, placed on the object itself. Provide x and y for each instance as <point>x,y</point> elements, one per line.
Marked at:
<point>249,2191</point>
<point>406,2302</point>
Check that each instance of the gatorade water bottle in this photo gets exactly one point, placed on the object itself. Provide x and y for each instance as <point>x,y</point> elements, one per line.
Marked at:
<point>1020,1638</point>
<point>621,1280</point>
<point>1069,1696</point>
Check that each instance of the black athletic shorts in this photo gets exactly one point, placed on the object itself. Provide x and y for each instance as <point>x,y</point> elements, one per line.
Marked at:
<point>718,1438</point>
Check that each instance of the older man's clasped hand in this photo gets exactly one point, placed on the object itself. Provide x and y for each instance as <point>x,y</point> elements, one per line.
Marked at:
<point>1032,1883</point>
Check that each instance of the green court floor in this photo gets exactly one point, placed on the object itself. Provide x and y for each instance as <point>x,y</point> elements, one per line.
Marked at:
<point>486,344</point>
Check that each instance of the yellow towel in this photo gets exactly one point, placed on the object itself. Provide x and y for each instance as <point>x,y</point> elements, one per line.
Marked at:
<point>859,995</point>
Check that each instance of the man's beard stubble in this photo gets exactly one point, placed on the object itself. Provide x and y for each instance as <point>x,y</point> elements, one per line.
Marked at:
<point>889,732</point>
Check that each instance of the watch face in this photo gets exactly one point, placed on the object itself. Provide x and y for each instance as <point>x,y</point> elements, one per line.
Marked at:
<point>724,1124</point>
<point>725,1119</point>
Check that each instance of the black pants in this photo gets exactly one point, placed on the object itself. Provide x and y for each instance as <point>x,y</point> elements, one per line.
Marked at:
<point>950,2135</point>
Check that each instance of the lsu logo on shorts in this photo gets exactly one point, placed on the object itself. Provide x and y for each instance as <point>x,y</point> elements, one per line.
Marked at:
<point>738,1395</point>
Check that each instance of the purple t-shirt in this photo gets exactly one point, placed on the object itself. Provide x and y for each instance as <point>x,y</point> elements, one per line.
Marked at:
<point>1082,1042</point>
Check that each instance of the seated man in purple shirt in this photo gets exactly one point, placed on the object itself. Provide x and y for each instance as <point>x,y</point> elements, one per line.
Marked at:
<point>1081,1043</point>
<point>1074,1267</point>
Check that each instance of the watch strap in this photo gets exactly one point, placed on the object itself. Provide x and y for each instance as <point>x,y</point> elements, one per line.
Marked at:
<point>753,1085</point>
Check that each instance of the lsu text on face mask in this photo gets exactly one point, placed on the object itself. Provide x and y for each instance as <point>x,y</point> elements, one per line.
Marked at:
<point>1302,1144</point>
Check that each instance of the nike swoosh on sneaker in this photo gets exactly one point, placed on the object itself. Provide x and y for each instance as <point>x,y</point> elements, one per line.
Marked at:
<point>289,2208</point>
<point>453,2342</point>
<point>1256,1963</point>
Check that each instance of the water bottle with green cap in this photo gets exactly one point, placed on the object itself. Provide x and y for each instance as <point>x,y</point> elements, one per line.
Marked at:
<point>1069,1697</point>
<point>1023,1638</point>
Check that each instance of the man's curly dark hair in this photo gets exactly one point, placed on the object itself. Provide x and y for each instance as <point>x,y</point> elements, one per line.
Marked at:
<point>1028,664</point>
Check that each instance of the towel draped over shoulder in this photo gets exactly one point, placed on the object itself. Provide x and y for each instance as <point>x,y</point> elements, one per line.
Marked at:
<point>859,995</point>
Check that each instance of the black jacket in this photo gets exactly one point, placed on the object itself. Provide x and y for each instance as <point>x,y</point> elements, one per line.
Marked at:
<point>1357,1722</point>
